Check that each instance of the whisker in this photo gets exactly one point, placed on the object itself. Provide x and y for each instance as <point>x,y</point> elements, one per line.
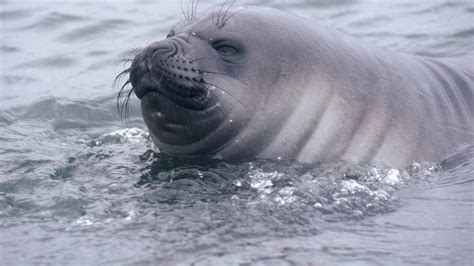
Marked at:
<point>123,61</point>
<point>213,16</point>
<point>125,71</point>
<point>225,75</point>
<point>121,92</point>
<point>122,89</point>
<point>220,11</point>
<point>195,9</point>
<point>161,77</point>
<point>123,97</point>
<point>222,109</point>
<point>233,14</point>
<point>213,72</point>
<point>127,106</point>
<point>120,76</point>
<point>225,13</point>
<point>197,59</point>
<point>226,91</point>
<point>182,11</point>
<point>189,10</point>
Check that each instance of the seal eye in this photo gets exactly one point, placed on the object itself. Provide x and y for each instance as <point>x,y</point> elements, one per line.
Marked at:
<point>226,50</point>
<point>170,34</point>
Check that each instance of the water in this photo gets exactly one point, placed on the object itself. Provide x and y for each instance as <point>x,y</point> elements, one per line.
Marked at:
<point>78,186</point>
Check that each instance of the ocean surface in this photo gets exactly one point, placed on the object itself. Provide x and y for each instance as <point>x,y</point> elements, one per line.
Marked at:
<point>79,186</point>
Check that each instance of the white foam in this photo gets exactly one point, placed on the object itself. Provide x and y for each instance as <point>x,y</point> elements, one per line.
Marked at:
<point>83,221</point>
<point>130,135</point>
<point>392,177</point>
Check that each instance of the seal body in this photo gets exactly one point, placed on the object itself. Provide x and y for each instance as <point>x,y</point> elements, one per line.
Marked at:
<point>258,82</point>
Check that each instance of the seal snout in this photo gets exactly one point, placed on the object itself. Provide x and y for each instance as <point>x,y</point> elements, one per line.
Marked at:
<point>164,67</point>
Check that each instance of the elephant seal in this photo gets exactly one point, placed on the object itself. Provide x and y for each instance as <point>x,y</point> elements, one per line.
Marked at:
<point>258,82</point>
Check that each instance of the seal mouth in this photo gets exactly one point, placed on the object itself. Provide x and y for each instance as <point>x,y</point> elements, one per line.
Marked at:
<point>195,98</point>
<point>187,92</point>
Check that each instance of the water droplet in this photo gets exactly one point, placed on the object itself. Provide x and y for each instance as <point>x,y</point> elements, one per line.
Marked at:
<point>230,121</point>
<point>211,39</point>
<point>213,88</point>
<point>193,33</point>
<point>279,158</point>
<point>223,92</point>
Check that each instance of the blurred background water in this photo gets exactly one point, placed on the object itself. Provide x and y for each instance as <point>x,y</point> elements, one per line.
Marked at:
<point>79,186</point>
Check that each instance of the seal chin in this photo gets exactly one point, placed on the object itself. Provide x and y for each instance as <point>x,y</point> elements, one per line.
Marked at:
<point>175,123</point>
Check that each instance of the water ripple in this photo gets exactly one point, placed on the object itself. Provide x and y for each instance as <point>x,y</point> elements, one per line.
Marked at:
<point>91,31</point>
<point>55,61</point>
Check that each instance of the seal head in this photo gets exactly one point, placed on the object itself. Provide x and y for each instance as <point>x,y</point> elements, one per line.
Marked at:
<point>202,85</point>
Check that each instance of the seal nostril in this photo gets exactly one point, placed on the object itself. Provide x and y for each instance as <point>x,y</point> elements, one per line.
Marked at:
<point>170,34</point>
